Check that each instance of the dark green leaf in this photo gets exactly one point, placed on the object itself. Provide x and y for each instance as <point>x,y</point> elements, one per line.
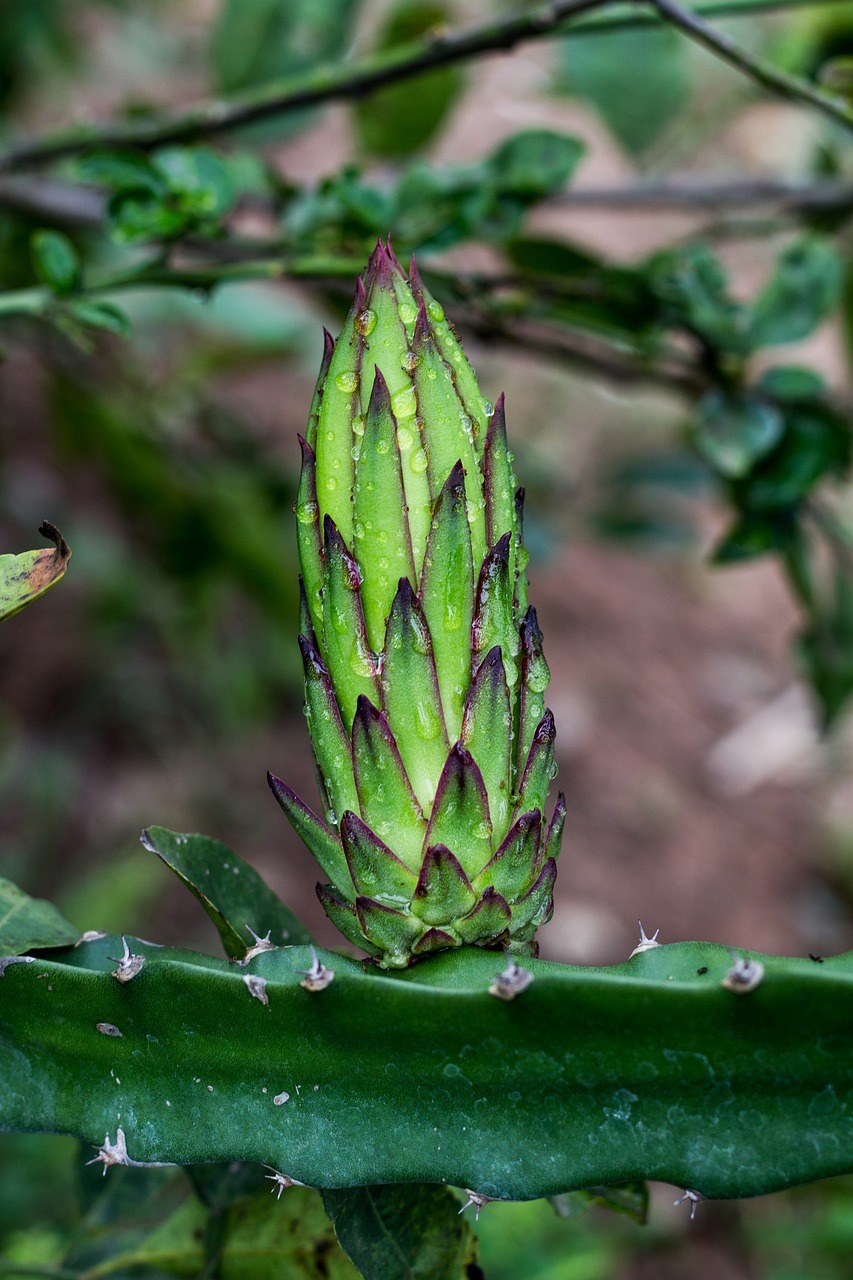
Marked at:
<point>733,433</point>
<point>121,171</point>
<point>25,577</point>
<point>693,288</point>
<point>636,80</point>
<point>55,260</point>
<point>400,120</point>
<point>231,892</point>
<point>535,163</point>
<point>804,288</point>
<point>825,650</point>
<point>28,924</point>
<point>755,534</point>
<point>403,1233</point>
<point>817,442</point>
<point>199,177</point>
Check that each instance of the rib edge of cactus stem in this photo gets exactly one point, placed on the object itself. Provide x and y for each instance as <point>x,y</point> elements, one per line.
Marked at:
<point>425,676</point>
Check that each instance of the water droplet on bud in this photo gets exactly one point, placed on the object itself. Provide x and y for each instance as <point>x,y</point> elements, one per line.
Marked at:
<point>435,311</point>
<point>404,439</point>
<point>404,403</point>
<point>306,512</point>
<point>409,361</point>
<point>407,313</point>
<point>419,462</point>
<point>346,382</point>
<point>331,483</point>
<point>366,322</point>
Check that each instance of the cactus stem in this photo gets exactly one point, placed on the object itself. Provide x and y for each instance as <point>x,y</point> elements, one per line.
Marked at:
<point>645,943</point>
<point>257,988</point>
<point>259,946</point>
<point>318,977</point>
<point>692,1198</point>
<point>476,1201</point>
<point>127,965</point>
<point>280,1181</point>
<point>116,1153</point>
<point>743,976</point>
<point>511,982</point>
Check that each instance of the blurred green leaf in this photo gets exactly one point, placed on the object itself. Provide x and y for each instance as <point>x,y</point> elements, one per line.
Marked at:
<point>100,315</point>
<point>792,384</point>
<point>256,41</point>
<point>756,534</point>
<point>534,163</point>
<point>401,119</point>
<point>803,289</point>
<point>30,923</point>
<point>636,80</point>
<point>630,1198</point>
<point>816,443</point>
<point>693,288</point>
<point>403,1232</point>
<point>55,260</point>
<point>733,432</point>
<point>825,649</point>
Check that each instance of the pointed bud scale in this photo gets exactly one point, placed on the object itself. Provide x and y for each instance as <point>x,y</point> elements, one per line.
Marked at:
<point>444,891</point>
<point>329,738</point>
<point>424,672</point>
<point>323,843</point>
<point>447,596</point>
<point>308,539</point>
<point>494,618</point>
<point>385,794</point>
<point>460,816</point>
<point>540,767</point>
<point>410,695</point>
<point>487,733</point>
<point>500,485</point>
<point>345,643</point>
<point>376,871</point>
<point>535,677</point>
<point>380,529</point>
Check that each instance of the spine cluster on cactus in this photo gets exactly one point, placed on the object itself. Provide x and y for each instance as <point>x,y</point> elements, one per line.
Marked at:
<point>424,671</point>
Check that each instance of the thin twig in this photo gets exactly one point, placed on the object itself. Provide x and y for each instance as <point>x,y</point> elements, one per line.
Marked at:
<point>779,82</point>
<point>790,197</point>
<point>439,48</point>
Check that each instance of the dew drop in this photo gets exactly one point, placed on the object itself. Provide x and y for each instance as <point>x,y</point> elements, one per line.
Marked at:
<point>366,322</point>
<point>358,426</point>
<point>404,438</point>
<point>427,723</point>
<point>488,408</point>
<point>404,403</point>
<point>419,462</point>
<point>409,361</point>
<point>306,512</point>
<point>382,446</point>
<point>435,311</point>
<point>346,382</point>
<point>482,831</point>
<point>407,313</point>
<point>331,483</point>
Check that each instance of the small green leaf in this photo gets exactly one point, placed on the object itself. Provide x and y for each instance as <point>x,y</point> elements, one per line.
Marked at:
<point>804,288</point>
<point>637,81</point>
<point>535,163</point>
<point>817,442</point>
<point>55,260</point>
<point>403,1233</point>
<point>100,315</point>
<point>231,892</point>
<point>28,923</point>
<point>692,287</point>
<point>25,577</point>
<point>792,384</point>
<point>400,120</point>
<point>734,432</point>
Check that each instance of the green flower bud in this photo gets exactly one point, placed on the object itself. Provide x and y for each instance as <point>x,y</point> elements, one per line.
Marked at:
<point>424,671</point>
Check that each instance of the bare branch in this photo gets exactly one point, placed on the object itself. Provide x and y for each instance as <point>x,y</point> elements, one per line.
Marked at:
<point>778,82</point>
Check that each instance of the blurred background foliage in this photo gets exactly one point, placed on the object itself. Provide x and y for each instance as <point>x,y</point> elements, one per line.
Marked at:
<point>644,246</point>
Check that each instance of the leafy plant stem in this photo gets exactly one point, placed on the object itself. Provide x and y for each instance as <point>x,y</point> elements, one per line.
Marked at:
<point>438,49</point>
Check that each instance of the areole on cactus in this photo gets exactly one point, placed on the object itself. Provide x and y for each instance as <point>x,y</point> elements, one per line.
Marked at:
<point>424,670</point>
